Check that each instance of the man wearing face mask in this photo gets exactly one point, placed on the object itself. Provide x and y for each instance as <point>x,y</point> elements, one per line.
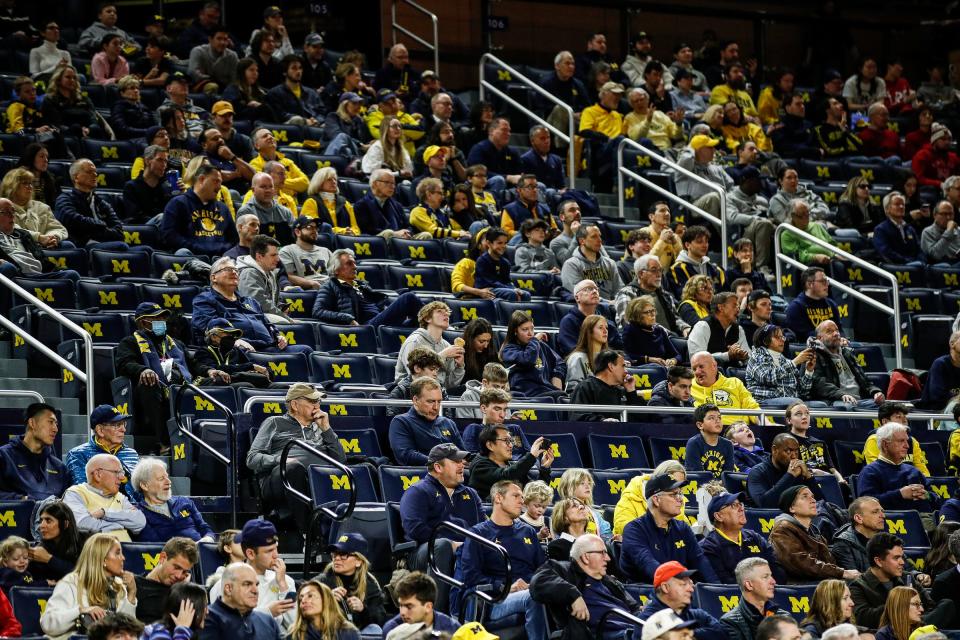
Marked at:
<point>221,362</point>
<point>153,361</point>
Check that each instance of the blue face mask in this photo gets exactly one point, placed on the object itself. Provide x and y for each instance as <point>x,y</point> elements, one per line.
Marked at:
<point>159,327</point>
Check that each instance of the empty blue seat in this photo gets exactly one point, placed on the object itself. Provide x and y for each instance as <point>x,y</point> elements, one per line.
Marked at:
<point>298,333</point>
<point>385,367</point>
<point>609,484</point>
<point>907,275</point>
<point>75,259</point>
<point>908,526</point>
<point>718,599</point>
<point>283,367</point>
<point>417,250</point>
<point>648,376</point>
<point>59,294</point>
<point>394,480</point>
<point>335,408</point>
<point>849,457</point>
<point>201,408</point>
<point>617,452</point>
<point>391,339</point>
<point>930,334</point>
<point>101,151</point>
<point>668,449</point>
<point>362,442</point>
<point>372,274</point>
<point>940,277</point>
<point>364,247</point>
<point>465,310</point>
<point>424,278</point>
<point>298,304</point>
<point>177,298</point>
<point>536,284</point>
<point>795,599</point>
<point>822,170</point>
<point>120,263</point>
<point>329,484</point>
<point>107,296</point>
<point>28,605</point>
<point>344,368</point>
<point>870,357</point>
<point>761,520</point>
<point>140,234</point>
<point>347,339</point>
<point>104,328</point>
<point>160,262</point>
<point>15,518</point>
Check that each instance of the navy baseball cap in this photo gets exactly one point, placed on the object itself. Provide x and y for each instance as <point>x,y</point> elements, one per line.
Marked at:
<point>257,533</point>
<point>720,501</point>
<point>149,310</point>
<point>349,543</point>
<point>661,483</point>
<point>303,221</point>
<point>106,413</point>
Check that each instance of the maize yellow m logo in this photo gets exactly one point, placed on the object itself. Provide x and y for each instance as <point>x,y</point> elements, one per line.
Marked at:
<point>913,304</point>
<point>468,313</point>
<point>866,173</point>
<point>362,249</point>
<point>406,481</point>
<point>858,457</point>
<point>786,280</point>
<point>279,369</point>
<point>799,604</point>
<point>44,294</point>
<point>823,172</point>
<point>903,277</point>
<point>109,152</point>
<point>101,180</point>
<point>180,451</point>
<point>616,486</point>
<point>824,423</point>
<point>120,266</point>
<point>678,453</point>
<point>150,560</point>
<point>94,328</point>
<point>8,519</point>
<point>504,75</point>
<point>322,163</point>
<point>340,483</point>
<point>950,279</point>
<point>280,135</point>
<point>108,297</point>
<point>941,490</point>
<point>897,526</point>
<point>414,280</point>
<point>67,376</point>
<point>862,359</point>
<point>272,407</point>
<point>290,337</point>
<point>855,275</point>
<point>131,237</point>
<point>295,304</point>
<point>525,284</point>
<point>121,408</point>
<point>17,340</point>
<point>643,161</point>
<point>643,381</point>
<point>844,310</point>
<point>555,483</point>
<point>348,340</point>
<point>341,371</point>
<point>729,603</point>
<point>629,192</point>
<point>618,451</point>
<point>202,404</point>
<point>338,409</point>
<point>766,525</point>
<point>417,252</point>
<point>350,446</point>
<point>172,301</point>
<point>527,414</point>
<point>61,262</point>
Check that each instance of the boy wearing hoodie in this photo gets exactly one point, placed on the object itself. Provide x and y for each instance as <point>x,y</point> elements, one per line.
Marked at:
<point>434,319</point>
<point>421,361</point>
<point>693,260</point>
<point>494,376</point>
<point>493,410</point>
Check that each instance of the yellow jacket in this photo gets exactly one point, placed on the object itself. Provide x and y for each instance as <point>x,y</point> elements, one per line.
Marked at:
<point>722,94</point>
<point>310,210</point>
<point>15,116</point>
<point>632,505</point>
<point>423,220</point>
<point>871,451</point>
<point>599,119</point>
<point>666,251</point>
<point>660,129</point>
<point>953,452</point>
<point>296,182</point>
<point>746,132</point>
<point>462,275</point>
<point>412,130</point>
<point>768,106</point>
<point>288,201</point>
<point>726,393</point>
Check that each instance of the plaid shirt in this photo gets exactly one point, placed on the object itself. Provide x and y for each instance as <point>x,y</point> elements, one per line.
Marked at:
<point>771,375</point>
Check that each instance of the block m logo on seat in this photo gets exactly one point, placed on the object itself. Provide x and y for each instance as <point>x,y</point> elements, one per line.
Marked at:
<point>108,297</point>
<point>171,301</point>
<point>350,446</point>
<point>618,451</point>
<point>406,481</point>
<point>120,266</point>
<point>340,483</point>
<point>150,560</point>
<point>897,526</point>
<point>341,371</point>
<point>728,603</point>
<point>202,404</point>
<point>417,252</point>
<point>279,369</point>
<point>348,340</point>
<point>131,237</point>
<point>617,486</point>
<point>44,294</point>
<point>8,518</point>
<point>414,280</point>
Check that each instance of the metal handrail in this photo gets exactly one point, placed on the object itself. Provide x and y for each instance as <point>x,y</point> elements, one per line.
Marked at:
<point>232,475</point>
<point>396,26</point>
<point>83,376</point>
<point>565,136</point>
<point>304,498</point>
<point>893,311</point>
<point>616,612</point>
<point>669,195</point>
<point>466,533</point>
<point>17,393</point>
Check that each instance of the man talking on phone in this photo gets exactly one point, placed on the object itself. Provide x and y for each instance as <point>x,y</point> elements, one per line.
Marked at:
<point>610,385</point>
<point>304,420</point>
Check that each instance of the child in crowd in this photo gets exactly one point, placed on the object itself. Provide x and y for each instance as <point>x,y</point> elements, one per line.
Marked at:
<point>537,496</point>
<point>493,269</point>
<point>495,376</point>
<point>707,451</point>
<point>230,550</point>
<point>483,200</point>
<point>747,450</point>
<point>421,361</point>
<point>533,256</point>
<point>15,557</point>
<point>493,409</point>
<point>579,483</point>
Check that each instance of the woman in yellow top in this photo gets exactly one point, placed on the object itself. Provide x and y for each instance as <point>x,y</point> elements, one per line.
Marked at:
<point>770,102</point>
<point>430,217</point>
<point>695,299</point>
<point>461,279</point>
<point>328,206</point>
<point>736,129</point>
<point>632,504</point>
<point>191,171</point>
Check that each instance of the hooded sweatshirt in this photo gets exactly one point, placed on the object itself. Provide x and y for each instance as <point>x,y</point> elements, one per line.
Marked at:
<point>685,267</point>
<point>258,284</point>
<point>603,271</point>
<point>451,374</point>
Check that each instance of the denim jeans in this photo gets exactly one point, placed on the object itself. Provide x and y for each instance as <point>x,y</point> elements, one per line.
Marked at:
<point>401,312</point>
<point>520,603</point>
<point>505,293</point>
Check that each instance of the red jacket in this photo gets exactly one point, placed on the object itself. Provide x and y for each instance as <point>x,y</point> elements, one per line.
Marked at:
<point>914,141</point>
<point>883,143</point>
<point>9,626</point>
<point>933,167</point>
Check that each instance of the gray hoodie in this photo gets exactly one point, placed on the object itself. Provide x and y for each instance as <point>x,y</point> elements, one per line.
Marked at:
<point>742,209</point>
<point>779,211</point>
<point>471,394</point>
<point>603,271</point>
<point>451,374</point>
<point>259,285</point>
<point>692,189</point>
<point>532,259</point>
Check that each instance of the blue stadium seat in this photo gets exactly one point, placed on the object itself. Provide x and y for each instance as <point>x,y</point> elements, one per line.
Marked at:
<point>831,490</point>
<point>536,284</point>
<point>160,262</point>
<point>416,279</point>
<point>822,170</point>
<point>647,376</point>
<point>11,144</point>
<point>75,259</point>
<point>141,558</point>
<point>617,452</point>
<point>372,274</point>
<point>871,171</point>
<point>609,484</point>
<point>15,517</point>
<point>455,250</point>
<point>915,558</point>
<point>348,369</point>
<point>298,333</point>
<point>417,250</point>
<point>930,335</point>
<point>907,275</point>
<point>735,482</point>
<point>908,526</point>
<point>298,304</point>
<point>101,151</point>
<point>944,486</point>
<point>718,599</point>
<point>283,367</point>
<point>284,134</point>
<point>663,449</point>
<point>870,357</point>
<point>391,339</point>
<point>615,233</point>
<point>335,408</point>
<point>120,263</point>
<point>104,328</point>
<point>353,190</point>
<point>565,449</point>
<point>760,520</point>
<point>795,599</point>
<point>201,408</point>
<point>210,561</point>
<point>463,311</point>
<point>28,605</point>
<point>829,193</point>
<point>395,480</point>
<point>107,296</point>
<point>59,294</point>
<point>363,442</point>
<point>849,457</point>
<point>176,298</point>
<point>536,309</point>
<point>311,162</point>
<point>384,367</point>
<point>328,484</point>
<point>940,277</point>
<point>695,480</point>
<point>933,455</point>
<point>364,247</point>
<point>110,181</point>
<point>347,339</point>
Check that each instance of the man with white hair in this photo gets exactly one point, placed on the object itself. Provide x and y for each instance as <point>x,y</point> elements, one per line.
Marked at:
<point>843,631</point>
<point>894,239</point>
<point>98,504</point>
<point>248,226</point>
<point>951,191</point>
<point>757,585</point>
<point>940,241</point>
<point>579,591</point>
<point>166,515</point>
<point>379,213</point>
<point>646,121</point>
<point>649,281</point>
<point>896,484</point>
<point>233,616</point>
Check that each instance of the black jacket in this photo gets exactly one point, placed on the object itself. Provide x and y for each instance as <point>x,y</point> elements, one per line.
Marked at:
<point>31,246</point>
<point>484,472</point>
<point>131,119</point>
<point>593,390</point>
<point>849,549</point>
<point>558,583</point>
<point>947,585</point>
<point>75,210</point>
<point>129,360</point>
<point>210,357</point>
<point>826,378</point>
<point>741,622</point>
<point>765,483</point>
<point>870,598</point>
<point>340,303</point>
<point>373,610</point>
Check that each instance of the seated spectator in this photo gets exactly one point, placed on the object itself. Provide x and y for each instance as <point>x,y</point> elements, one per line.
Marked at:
<point>422,427</point>
<point>493,375</point>
<point>129,117</point>
<point>737,130</point>
<point>592,340</point>
<point>707,451</point>
<point>568,213</point>
<point>864,88</point>
<point>304,420</point>
<point>388,152</point>
<point>772,99</point>
<point>147,195</point>
<point>245,93</point>
<point>685,94</point>
<point>813,451</point>
<point>327,205</point>
<point>945,582</point>
<point>29,467</point>
<point>434,319</point>
<point>277,172</point>
<point>248,227</point>
<point>632,503</point>
<point>874,588</point>
<point>422,361</point>
<point>304,260</point>
<point>235,609</point>
<point>673,392</point>
<point>196,118</point>
<point>276,219</point>
<point>797,542</point>
<point>569,521</point>
<point>697,157</point>
<point>47,57</point>
<point>940,241</point>
<point>878,139</point>
<point>535,369</point>
<point>601,124</point>
<point>784,470</point>
<point>793,137</point>
<point>609,385</point>
<point>891,480</point>
<point>172,135</point>
<point>747,209</point>
<point>15,561</point>
<point>167,515</point>
<point>587,296</point>
<point>108,66</point>
<point>943,379</point>
<point>390,109</point>
<point>713,387</point>
<point>99,583</point>
<point>99,505</point>
<point>106,23</point>
<point>66,108</point>
<point>838,377</point>
<point>657,537</point>
<point>345,300</point>
<point>889,411</point>
<point>353,585</point>
<point>693,261</point>
<point>564,86</point>
<point>790,190</point>
<point>88,218</point>
<point>719,334</point>
<point>107,426</point>
<point>21,255</point>
<point>649,281</point>
<point>533,255</point>
<point>185,607</point>
<point>757,583</point>
<point>568,590</point>
<point>540,162</point>
<point>525,207</point>
<point>831,609</point>
<point>55,555</point>
<point>919,137</point>
<point>934,162</point>
<point>434,165</point>
<point>235,171</point>
<point>266,147</point>
<point>493,269</point>
<point>896,241</point>
<point>213,66</point>
<point>196,220</point>
<point>493,398</point>
<point>747,449</point>
<point>589,262</point>
<point>638,244</point>
<point>24,116</point>
<point>673,591</point>
<point>477,566</point>
<point>321,610</point>
<point>397,75</point>
<point>734,90</point>
<point>645,341</point>
<point>155,67</point>
<point>265,49</point>
<point>856,209</point>
<point>578,483</point>
<point>729,543</point>
<point>496,462</point>
<point>46,186</point>
<point>647,121</point>
<point>849,546</point>
<point>810,309</point>
<point>802,249</point>
<point>759,312</point>
<point>773,379</point>
<point>537,496</point>
<point>344,132</point>
<point>695,300</point>
<point>173,566</point>
<point>223,363</point>
<point>291,101</point>
<point>416,594</point>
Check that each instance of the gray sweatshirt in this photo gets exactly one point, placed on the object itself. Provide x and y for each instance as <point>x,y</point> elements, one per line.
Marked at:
<point>603,271</point>
<point>742,209</point>
<point>532,259</point>
<point>259,285</point>
<point>451,374</point>
<point>277,431</point>
<point>780,204</point>
<point>939,245</point>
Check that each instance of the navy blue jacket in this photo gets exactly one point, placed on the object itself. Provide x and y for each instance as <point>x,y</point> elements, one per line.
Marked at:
<point>707,627</point>
<point>660,397</point>
<point>569,332</point>
<point>895,248</point>
<point>372,218</point>
<point>340,303</point>
<point>204,228</point>
<point>639,342</point>
<point>724,554</point>
<point>426,504</point>
<point>805,314</point>
<point>766,482</point>
<point>412,436</point>
<point>571,92</point>
<point>532,366</point>
<point>286,105</point>
<point>185,521</point>
<point>490,274</point>
<point>226,623</point>
<point>883,481</point>
<point>499,162</point>
<point>943,382</point>
<point>549,171</point>
<point>131,119</point>
<point>702,457</point>
<point>35,475</point>
<point>75,210</point>
<point>244,313</point>
<point>746,460</point>
<point>646,546</point>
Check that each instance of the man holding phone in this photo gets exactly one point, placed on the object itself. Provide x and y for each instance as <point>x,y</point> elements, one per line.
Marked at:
<point>495,462</point>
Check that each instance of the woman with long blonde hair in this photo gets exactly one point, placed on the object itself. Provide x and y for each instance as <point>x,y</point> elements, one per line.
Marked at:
<point>388,151</point>
<point>578,483</point>
<point>99,584</point>
<point>319,617</point>
<point>831,605</point>
<point>592,340</point>
<point>695,299</point>
<point>902,614</point>
<point>353,585</point>
<point>327,205</point>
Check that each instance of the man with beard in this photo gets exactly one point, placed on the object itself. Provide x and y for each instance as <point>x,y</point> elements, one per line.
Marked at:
<point>304,261</point>
<point>735,90</point>
<point>291,101</point>
<point>236,172</point>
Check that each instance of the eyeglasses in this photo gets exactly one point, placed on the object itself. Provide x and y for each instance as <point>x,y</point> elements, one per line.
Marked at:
<point>392,183</point>
<point>504,440</point>
<point>115,426</point>
<point>117,472</point>
<point>657,270</point>
<point>602,553</point>
<point>863,186</point>
<point>227,270</point>
<point>676,495</point>
<point>649,312</point>
<point>736,505</point>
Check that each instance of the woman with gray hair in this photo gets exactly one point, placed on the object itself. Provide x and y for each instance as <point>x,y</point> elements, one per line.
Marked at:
<point>332,211</point>
<point>167,515</point>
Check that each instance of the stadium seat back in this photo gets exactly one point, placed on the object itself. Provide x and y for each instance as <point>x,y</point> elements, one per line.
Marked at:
<point>795,599</point>
<point>718,599</point>
<point>364,247</point>
<point>647,376</point>
<point>175,298</point>
<point>663,449</point>
<point>538,310</point>
<point>300,333</point>
<point>416,279</point>
<point>141,558</point>
<point>617,452</point>
<point>104,328</point>
<point>369,519</point>
<point>849,457</point>
<point>944,278</point>
<point>29,603</point>
<point>359,339</point>
<point>341,369</point>
<point>360,442</point>
<point>372,274</point>
<point>930,334</point>
<point>15,517</point>
<point>536,284</point>
<point>298,304</point>
<point>75,259</point>
<point>283,367</point>
<point>59,294</point>
<point>385,366</point>
<point>394,480</point>
<point>463,311</point>
<point>392,338</point>
<point>908,526</point>
<point>565,450</point>
<point>609,484</point>
<point>328,484</point>
<point>417,250</point>
<point>760,520</point>
<point>107,296</point>
<point>134,264</point>
<point>335,408</point>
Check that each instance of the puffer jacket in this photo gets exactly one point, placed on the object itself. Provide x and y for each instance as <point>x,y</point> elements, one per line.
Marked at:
<point>848,550</point>
<point>741,622</point>
<point>802,552</point>
<point>340,303</point>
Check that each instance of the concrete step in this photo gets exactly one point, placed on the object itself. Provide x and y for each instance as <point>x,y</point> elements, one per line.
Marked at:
<point>75,424</point>
<point>44,386</point>
<point>180,486</point>
<point>13,368</point>
<point>5,349</point>
<point>66,405</point>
